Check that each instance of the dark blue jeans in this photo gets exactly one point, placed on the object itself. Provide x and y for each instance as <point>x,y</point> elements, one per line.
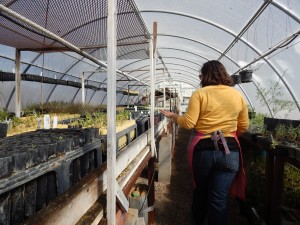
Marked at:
<point>213,172</point>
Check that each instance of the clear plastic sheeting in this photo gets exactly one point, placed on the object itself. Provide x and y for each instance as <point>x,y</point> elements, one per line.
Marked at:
<point>259,35</point>
<point>238,33</point>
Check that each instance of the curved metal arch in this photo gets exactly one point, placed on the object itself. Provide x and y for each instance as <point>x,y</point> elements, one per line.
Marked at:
<point>179,79</point>
<point>148,72</point>
<point>233,34</point>
<point>244,92</point>
<point>171,69</point>
<point>182,75</point>
<point>286,11</point>
<point>176,64</point>
<point>196,87</point>
<point>188,16</point>
<point>121,68</point>
<point>176,78</point>
<point>183,60</point>
<point>196,41</point>
<point>139,60</point>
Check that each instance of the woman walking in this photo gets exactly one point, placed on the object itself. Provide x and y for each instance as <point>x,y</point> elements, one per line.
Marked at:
<point>217,113</point>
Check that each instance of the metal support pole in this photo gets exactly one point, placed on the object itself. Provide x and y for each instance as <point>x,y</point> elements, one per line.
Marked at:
<point>175,102</point>
<point>82,89</point>
<point>164,83</point>
<point>55,37</point>
<point>111,111</point>
<point>18,84</point>
<point>128,96</point>
<point>152,73</point>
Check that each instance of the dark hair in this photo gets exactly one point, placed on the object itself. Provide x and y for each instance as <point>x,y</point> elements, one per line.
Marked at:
<point>214,73</point>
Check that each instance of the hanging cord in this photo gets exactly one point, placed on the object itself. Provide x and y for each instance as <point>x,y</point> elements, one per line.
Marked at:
<point>152,179</point>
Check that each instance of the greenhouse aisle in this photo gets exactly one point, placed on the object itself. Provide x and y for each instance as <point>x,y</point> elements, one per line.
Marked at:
<point>173,201</point>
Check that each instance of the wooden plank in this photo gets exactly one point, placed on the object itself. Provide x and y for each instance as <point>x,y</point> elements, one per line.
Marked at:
<point>154,36</point>
<point>151,194</point>
<point>277,191</point>
<point>121,198</point>
<point>269,184</point>
<point>133,171</point>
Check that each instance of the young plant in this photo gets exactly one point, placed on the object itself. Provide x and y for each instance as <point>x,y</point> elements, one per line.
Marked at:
<point>291,134</point>
<point>257,124</point>
<point>280,132</point>
<point>274,142</point>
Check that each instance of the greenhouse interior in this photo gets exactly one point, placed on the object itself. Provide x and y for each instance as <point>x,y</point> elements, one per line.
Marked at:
<point>88,95</point>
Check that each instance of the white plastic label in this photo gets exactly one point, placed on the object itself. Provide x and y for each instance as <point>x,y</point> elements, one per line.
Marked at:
<point>46,121</point>
<point>54,122</point>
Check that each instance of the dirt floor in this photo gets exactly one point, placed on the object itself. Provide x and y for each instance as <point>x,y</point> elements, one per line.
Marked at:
<point>173,201</point>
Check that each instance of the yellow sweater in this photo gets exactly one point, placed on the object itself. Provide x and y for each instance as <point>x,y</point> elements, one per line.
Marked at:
<point>216,107</point>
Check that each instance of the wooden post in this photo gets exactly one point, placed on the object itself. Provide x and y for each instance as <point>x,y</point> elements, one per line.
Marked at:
<point>277,191</point>
<point>269,184</point>
<point>164,83</point>
<point>111,111</point>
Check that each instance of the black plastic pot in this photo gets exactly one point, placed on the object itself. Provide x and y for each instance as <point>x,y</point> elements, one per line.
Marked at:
<point>251,115</point>
<point>236,79</point>
<point>246,76</point>
<point>3,129</point>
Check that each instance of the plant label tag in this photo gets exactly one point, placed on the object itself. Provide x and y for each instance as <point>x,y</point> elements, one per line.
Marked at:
<point>46,121</point>
<point>54,125</point>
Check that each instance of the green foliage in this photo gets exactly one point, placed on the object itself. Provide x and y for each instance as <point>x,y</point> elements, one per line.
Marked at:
<point>291,133</point>
<point>63,107</point>
<point>256,124</point>
<point>4,115</point>
<point>256,179</point>
<point>280,132</point>
<point>286,133</point>
<point>291,186</point>
<point>273,97</point>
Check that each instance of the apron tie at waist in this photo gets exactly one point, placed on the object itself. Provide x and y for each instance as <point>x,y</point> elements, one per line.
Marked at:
<point>218,135</point>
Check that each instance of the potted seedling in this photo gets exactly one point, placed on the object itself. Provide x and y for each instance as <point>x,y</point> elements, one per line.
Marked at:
<point>251,112</point>
<point>4,123</point>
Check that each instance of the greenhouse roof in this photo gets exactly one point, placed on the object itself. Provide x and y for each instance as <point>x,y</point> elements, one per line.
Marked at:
<point>259,35</point>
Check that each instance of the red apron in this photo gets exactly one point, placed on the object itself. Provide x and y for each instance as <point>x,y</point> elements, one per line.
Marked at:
<point>238,186</point>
